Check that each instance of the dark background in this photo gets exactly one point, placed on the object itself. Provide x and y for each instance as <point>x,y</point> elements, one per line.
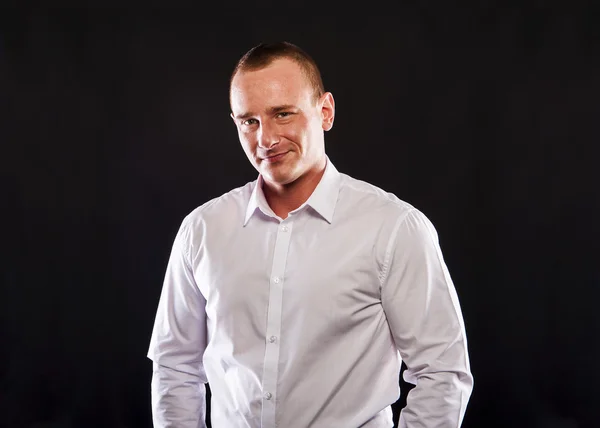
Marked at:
<point>114,125</point>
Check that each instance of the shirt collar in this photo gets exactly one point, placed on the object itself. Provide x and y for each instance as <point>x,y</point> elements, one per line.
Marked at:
<point>322,200</point>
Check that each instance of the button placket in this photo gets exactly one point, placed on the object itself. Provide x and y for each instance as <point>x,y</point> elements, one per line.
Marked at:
<point>273,331</point>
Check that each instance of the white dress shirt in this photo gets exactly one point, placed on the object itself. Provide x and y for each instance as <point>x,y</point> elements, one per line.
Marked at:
<point>304,322</point>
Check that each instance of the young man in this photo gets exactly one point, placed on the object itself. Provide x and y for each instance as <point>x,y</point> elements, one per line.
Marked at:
<point>298,295</point>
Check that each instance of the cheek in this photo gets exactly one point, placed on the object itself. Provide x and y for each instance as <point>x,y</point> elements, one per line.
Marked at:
<point>248,142</point>
<point>302,132</point>
<point>296,134</point>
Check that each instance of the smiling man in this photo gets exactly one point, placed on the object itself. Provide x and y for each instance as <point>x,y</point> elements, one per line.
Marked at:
<point>297,296</point>
<point>281,113</point>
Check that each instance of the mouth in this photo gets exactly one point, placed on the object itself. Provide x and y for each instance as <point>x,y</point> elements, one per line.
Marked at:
<point>274,158</point>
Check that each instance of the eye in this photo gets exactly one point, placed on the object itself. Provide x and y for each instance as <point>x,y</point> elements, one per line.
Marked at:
<point>249,122</point>
<point>284,114</point>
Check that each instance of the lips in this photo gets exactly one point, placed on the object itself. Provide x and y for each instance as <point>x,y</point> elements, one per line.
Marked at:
<point>274,158</point>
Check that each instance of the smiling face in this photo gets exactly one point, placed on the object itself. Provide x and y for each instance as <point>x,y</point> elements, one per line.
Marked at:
<point>280,123</point>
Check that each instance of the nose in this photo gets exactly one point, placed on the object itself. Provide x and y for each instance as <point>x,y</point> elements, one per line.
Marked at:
<point>267,135</point>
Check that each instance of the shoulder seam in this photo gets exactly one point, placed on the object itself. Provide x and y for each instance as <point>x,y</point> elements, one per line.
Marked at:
<point>377,191</point>
<point>391,242</point>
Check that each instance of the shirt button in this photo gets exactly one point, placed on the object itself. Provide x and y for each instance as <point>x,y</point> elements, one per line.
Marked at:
<point>284,228</point>
<point>272,339</point>
<point>276,280</point>
<point>268,396</point>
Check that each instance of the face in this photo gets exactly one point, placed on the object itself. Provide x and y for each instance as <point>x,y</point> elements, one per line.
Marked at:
<point>280,125</point>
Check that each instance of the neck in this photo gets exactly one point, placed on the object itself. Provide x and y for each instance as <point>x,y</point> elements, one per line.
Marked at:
<point>288,197</point>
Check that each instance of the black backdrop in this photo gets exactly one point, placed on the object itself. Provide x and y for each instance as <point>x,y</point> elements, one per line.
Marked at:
<point>115,125</point>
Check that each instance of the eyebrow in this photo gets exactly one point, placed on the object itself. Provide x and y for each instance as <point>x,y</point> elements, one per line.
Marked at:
<point>270,110</point>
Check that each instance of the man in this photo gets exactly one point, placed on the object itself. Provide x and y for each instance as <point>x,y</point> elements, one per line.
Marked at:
<point>297,296</point>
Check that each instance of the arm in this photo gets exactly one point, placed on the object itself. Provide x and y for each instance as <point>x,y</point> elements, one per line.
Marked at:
<point>177,345</point>
<point>425,319</point>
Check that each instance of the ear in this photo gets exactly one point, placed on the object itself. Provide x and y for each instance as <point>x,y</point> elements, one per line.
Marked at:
<point>327,104</point>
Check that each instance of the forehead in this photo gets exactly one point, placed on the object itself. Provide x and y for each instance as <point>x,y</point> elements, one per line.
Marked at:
<point>281,82</point>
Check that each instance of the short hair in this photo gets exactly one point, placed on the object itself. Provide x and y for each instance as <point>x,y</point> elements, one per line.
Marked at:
<point>263,54</point>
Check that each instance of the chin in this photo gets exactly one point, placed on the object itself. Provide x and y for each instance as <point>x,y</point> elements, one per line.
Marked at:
<point>279,173</point>
<point>278,177</point>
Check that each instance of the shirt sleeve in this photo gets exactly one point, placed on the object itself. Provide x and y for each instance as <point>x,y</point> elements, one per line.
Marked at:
<point>424,315</point>
<point>177,345</point>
